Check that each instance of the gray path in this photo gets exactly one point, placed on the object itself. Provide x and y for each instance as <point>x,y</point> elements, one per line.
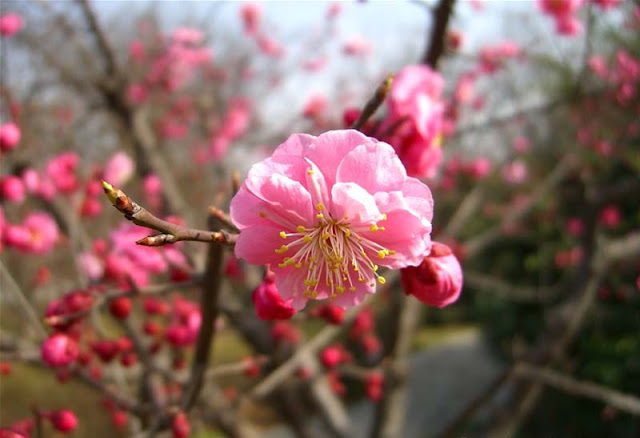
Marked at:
<point>442,380</point>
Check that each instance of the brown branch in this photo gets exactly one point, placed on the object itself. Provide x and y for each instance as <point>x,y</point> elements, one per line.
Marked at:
<point>103,43</point>
<point>171,233</point>
<point>441,16</point>
<point>619,400</point>
<point>374,103</point>
<point>512,292</point>
<point>211,284</point>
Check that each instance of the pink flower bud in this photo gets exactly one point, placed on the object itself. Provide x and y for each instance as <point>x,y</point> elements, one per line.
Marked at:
<point>59,350</point>
<point>330,313</point>
<point>251,14</point>
<point>331,357</point>
<point>269,304</point>
<point>12,189</point>
<point>119,418</point>
<point>9,136</point>
<point>63,420</point>
<point>180,426</point>
<point>120,307</point>
<point>610,216</point>
<point>10,24</point>
<point>374,386</point>
<point>437,281</point>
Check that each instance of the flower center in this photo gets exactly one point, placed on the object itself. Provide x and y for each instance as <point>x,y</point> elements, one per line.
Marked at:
<point>336,254</point>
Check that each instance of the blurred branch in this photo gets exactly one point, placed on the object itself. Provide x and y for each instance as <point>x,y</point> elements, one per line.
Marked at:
<point>7,279</point>
<point>614,192</point>
<point>476,245</point>
<point>441,16</point>
<point>103,43</point>
<point>509,291</point>
<point>621,401</point>
<point>171,233</point>
<point>465,211</point>
<point>322,339</point>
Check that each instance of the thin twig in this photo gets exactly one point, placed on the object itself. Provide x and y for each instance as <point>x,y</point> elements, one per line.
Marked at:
<point>619,400</point>
<point>170,232</point>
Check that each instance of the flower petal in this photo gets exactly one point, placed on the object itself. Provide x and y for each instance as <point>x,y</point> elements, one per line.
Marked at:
<point>257,245</point>
<point>357,167</point>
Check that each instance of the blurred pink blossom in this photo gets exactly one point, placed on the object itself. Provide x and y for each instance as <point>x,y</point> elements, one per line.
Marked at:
<point>119,169</point>
<point>12,189</point>
<point>59,350</point>
<point>315,107</point>
<point>9,136</point>
<point>61,172</point>
<point>187,36</point>
<point>10,24</point>
<point>251,14</point>
<point>357,45</point>
<point>515,172</point>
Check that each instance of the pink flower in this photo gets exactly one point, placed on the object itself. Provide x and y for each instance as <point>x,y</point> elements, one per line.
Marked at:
<point>357,45</point>
<point>438,279</point>
<point>331,357</point>
<point>569,26</point>
<point>10,24</point>
<point>61,171</point>
<point>415,113</point>
<point>479,168</point>
<point>270,47</point>
<point>326,211</point>
<point>610,216</point>
<point>251,14</point>
<point>334,10</point>
<point>187,36</point>
<point>180,426</point>
<point>59,350</point>
<point>12,189</point>
<point>91,265</point>
<point>9,136</point>
<point>269,304</point>
<point>137,51</point>
<point>119,169</point>
<point>559,8</point>
<point>37,234</point>
<point>515,172</point>
<point>521,144</point>
<point>607,4</point>
<point>374,386</point>
<point>137,93</point>
<point>315,106</point>
<point>64,420</point>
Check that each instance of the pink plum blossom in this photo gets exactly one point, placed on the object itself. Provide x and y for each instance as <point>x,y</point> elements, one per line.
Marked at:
<point>357,45</point>
<point>607,4</point>
<point>326,211</point>
<point>63,420</point>
<point>415,118</point>
<point>334,10</point>
<point>10,24</point>
<point>437,281</point>
<point>268,303</point>
<point>316,105</point>
<point>37,234</point>
<point>119,169</point>
<point>9,136</point>
<point>270,47</point>
<point>12,189</point>
<point>251,14</point>
<point>187,36</point>
<point>61,171</point>
<point>515,172</point>
<point>59,350</point>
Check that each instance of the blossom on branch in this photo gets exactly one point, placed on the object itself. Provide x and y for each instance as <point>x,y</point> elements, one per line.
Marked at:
<point>326,212</point>
<point>438,279</point>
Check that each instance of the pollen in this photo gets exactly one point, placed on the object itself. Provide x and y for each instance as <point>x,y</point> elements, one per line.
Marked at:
<point>334,254</point>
